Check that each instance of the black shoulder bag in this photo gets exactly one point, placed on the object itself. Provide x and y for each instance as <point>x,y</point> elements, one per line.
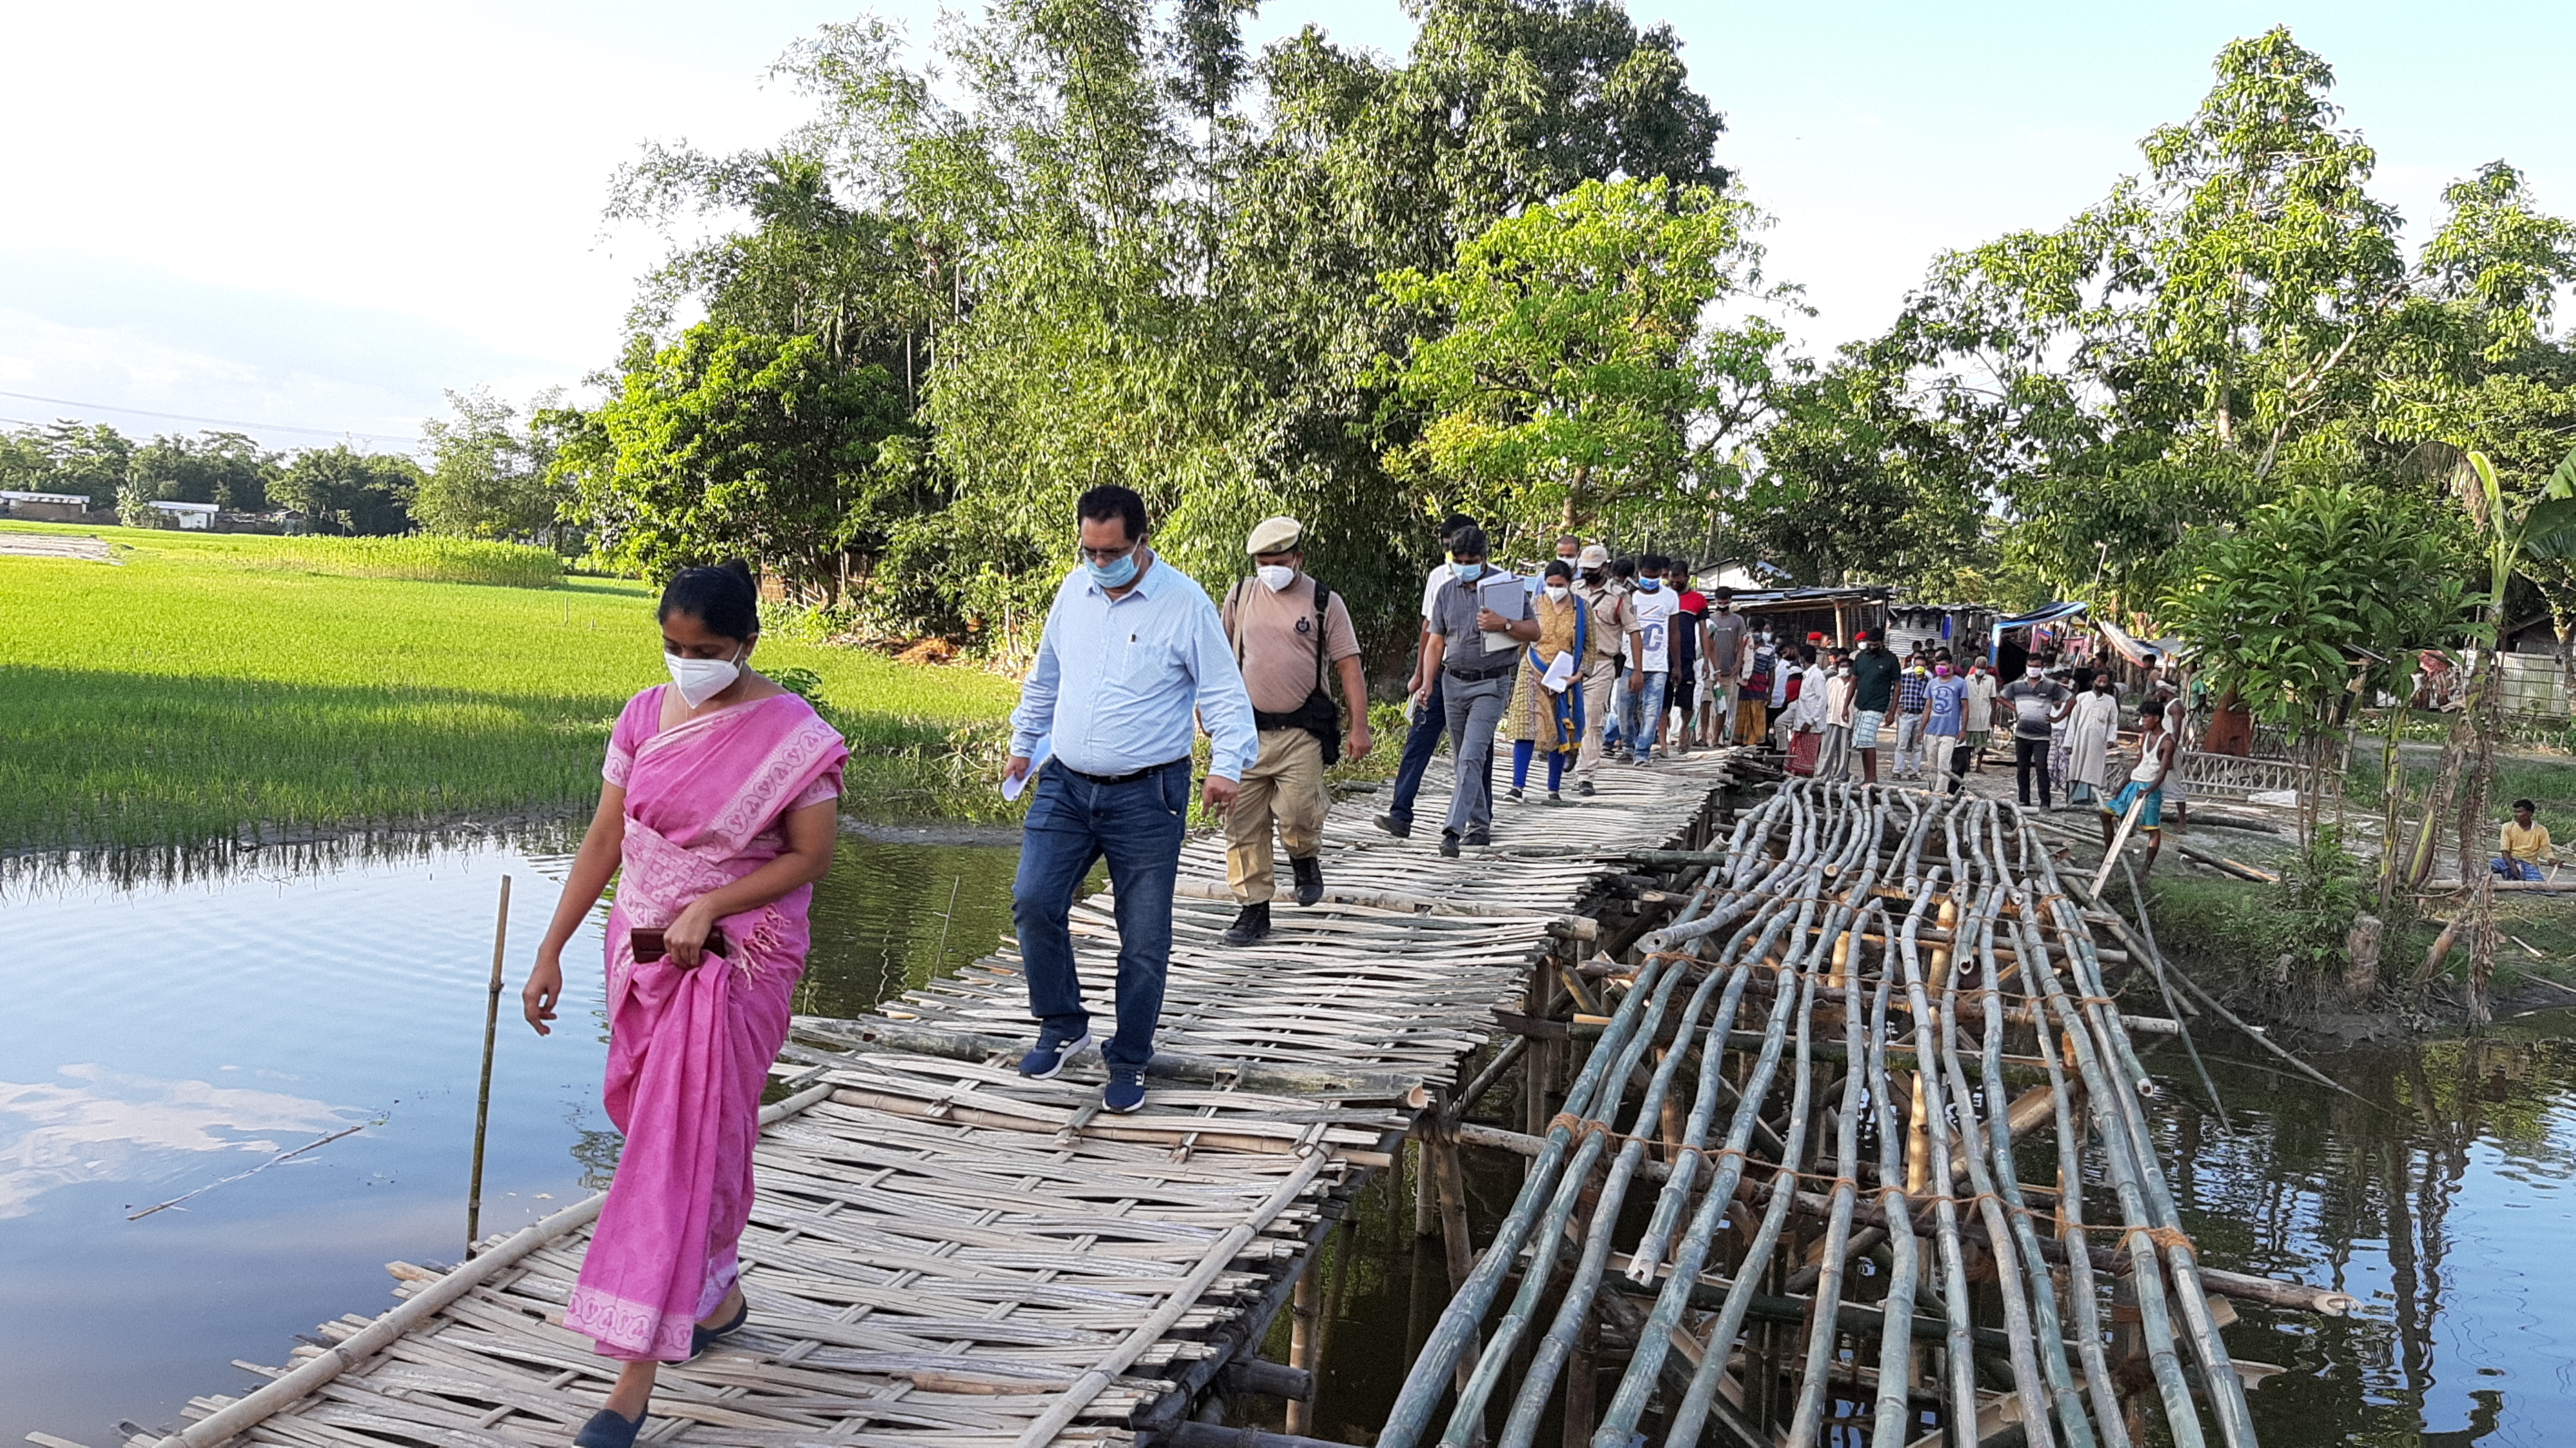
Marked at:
<point>1317,716</point>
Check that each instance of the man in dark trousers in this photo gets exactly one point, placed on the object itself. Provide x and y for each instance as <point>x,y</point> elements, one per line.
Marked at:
<point>1430,718</point>
<point>1132,660</point>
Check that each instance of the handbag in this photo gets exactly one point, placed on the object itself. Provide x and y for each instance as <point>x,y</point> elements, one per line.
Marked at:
<point>1804,746</point>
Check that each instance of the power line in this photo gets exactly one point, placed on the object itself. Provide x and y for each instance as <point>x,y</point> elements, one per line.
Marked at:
<point>214,421</point>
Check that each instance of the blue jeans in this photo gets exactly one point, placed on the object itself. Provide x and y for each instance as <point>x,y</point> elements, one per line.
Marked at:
<point>1421,741</point>
<point>2513,869</point>
<point>1072,823</point>
<point>1641,714</point>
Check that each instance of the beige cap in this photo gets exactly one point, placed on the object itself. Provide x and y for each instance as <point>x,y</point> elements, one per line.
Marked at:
<point>1595,556</point>
<point>1276,535</point>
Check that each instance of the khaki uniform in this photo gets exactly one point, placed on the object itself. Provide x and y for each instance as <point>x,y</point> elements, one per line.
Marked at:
<point>1275,639</point>
<point>1608,638</point>
<point>1286,787</point>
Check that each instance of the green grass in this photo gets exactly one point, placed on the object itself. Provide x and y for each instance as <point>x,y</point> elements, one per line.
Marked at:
<point>184,697</point>
<point>420,558</point>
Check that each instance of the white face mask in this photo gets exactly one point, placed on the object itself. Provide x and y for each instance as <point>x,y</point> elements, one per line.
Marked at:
<point>699,680</point>
<point>1275,576</point>
<point>1556,593</point>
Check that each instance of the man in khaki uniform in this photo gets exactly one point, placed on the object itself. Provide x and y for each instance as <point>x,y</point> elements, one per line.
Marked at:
<point>1284,638</point>
<point>1608,632</point>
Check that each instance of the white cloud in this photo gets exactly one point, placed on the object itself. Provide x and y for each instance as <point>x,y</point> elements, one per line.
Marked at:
<point>117,1127</point>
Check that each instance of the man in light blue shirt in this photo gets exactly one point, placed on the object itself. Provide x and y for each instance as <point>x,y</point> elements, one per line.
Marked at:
<point>1132,652</point>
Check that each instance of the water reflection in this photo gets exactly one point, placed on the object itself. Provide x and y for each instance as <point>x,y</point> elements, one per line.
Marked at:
<point>114,1126</point>
<point>175,1024</point>
<point>2440,1201</point>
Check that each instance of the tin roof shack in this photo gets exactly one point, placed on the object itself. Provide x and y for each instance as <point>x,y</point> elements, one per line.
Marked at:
<point>192,517</point>
<point>45,507</point>
<point>1837,613</point>
<point>2039,632</point>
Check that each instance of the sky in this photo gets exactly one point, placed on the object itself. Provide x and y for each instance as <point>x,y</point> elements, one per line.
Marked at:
<point>307,220</point>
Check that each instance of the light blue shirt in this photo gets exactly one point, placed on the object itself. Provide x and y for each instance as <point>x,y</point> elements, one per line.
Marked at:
<point>1138,667</point>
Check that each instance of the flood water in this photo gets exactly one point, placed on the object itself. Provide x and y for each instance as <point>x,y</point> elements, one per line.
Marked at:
<point>161,1038</point>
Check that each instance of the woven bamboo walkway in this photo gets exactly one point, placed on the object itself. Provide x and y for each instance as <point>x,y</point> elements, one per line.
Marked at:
<point>944,1253</point>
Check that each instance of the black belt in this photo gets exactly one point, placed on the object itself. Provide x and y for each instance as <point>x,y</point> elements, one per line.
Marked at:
<point>1481,674</point>
<point>1120,778</point>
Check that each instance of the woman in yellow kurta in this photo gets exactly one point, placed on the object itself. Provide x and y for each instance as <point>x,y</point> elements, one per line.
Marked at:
<point>1539,717</point>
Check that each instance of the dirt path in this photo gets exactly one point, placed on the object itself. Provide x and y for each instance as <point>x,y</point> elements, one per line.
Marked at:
<point>54,545</point>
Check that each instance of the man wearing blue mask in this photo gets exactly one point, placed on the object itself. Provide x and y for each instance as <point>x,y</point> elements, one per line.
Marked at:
<point>1479,621</point>
<point>1430,717</point>
<point>1650,628</point>
<point>1132,652</point>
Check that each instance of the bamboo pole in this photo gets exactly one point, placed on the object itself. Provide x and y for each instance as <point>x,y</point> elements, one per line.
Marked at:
<point>483,1093</point>
<point>258,1405</point>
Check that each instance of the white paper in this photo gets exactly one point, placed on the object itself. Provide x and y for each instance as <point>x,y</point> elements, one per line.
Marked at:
<point>1013,788</point>
<point>1560,673</point>
<point>1511,601</point>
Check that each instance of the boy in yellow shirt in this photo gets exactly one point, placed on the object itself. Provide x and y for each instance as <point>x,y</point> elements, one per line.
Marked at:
<point>2525,845</point>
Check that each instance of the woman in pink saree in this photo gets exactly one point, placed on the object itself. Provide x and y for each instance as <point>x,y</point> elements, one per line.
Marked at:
<point>717,818</point>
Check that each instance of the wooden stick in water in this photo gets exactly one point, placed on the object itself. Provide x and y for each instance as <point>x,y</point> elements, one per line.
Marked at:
<point>483,1096</point>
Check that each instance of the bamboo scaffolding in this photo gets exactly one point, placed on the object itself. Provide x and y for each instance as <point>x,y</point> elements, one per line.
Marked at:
<point>1933,938</point>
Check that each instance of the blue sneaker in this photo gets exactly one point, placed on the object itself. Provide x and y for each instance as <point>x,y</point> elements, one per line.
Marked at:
<point>1051,1054</point>
<point>1125,1091</point>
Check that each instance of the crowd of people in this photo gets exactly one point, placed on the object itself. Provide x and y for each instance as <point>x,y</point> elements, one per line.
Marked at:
<point>720,790</point>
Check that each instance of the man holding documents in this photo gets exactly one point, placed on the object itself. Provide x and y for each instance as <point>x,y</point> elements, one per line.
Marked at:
<point>1132,647</point>
<point>1472,644</point>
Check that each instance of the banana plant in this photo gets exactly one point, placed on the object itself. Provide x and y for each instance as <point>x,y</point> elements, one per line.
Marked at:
<point>2541,533</point>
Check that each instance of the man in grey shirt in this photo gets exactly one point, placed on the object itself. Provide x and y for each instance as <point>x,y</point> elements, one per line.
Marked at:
<point>1725,668</point>
<point>1472,643</point>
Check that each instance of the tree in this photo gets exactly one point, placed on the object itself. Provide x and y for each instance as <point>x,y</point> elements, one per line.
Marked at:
<point>2242,306</point>
<point>731,443</point>
<point>90,460</point>
<point>1570,378</point>
<point>1103,243</point>
<point>344,490</point>
<point>224,468</point>
<point>489,475</point>
<point>1848,484</point>
<point>2332,581</point>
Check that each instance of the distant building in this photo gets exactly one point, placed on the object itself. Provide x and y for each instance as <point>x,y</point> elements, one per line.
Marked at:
<point>45,507</point>
<point>192,517</point>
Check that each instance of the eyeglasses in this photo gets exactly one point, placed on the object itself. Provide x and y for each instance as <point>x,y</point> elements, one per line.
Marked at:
<point>1107,556</point>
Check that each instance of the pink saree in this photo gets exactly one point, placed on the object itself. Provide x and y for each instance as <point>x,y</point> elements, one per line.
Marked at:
<point>689,1051</point>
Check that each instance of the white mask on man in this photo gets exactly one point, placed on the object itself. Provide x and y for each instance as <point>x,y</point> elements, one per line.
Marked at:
<point>1276,576</point>
<point>699,680</point>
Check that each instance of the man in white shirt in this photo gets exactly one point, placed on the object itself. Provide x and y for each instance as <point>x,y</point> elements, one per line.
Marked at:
<point>1132,653</point>
<point>1650,627</point>
<point>1430,718</point>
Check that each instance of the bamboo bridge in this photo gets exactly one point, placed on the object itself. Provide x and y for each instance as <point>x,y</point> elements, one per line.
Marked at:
<point>1832,1132</point>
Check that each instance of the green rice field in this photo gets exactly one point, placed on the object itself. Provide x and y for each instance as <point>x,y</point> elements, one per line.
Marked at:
<point>200,688</point>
